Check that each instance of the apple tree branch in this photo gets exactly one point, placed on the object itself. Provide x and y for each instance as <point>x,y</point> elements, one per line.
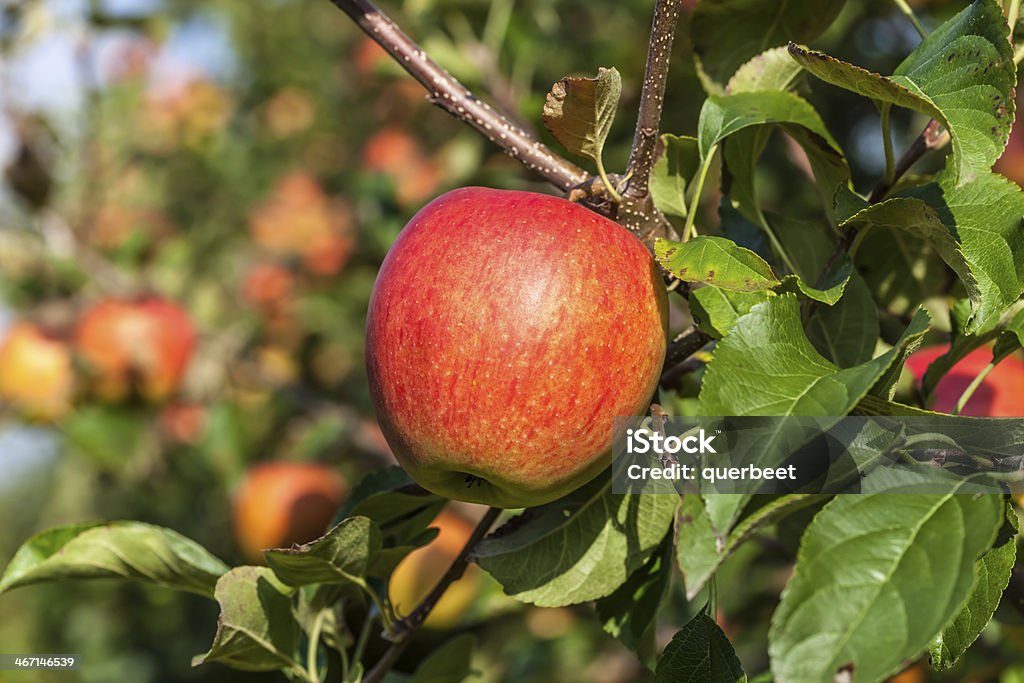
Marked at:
<point>403,631</point>
<point>652,97</point>
<point>446,92</point>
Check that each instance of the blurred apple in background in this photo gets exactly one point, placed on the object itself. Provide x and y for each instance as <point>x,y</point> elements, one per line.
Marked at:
<point>135,347</point>
<point>1001,394</point>
<point>394,153</point>
<point>283,503</point>
<point>36,373</point>
<point>420,571</point>
<point>300,220</point>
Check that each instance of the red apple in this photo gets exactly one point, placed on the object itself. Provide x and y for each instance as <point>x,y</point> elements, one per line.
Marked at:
<point>1001,394</point>
<point>135,346</point>
<point>505,331</point>
<point>282,503</point>
<point>36,374</point>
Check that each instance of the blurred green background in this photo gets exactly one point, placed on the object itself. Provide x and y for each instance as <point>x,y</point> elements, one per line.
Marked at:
<point>252,160</point>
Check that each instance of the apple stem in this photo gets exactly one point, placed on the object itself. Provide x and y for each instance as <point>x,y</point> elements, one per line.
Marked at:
<point>450,95</point>
<point>402,632</point>
<point>652,97</point>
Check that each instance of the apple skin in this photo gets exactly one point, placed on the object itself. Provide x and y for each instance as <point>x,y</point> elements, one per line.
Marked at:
<point>505,331</point>
<point>282,503</point>
<point>139,346</point>
<point>418,573</point>
<point>1001,394</point>
<point>36,373</point>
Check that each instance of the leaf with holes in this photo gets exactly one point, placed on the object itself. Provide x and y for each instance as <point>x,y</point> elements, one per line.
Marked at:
<point>715,261</point>
<point>579,111</point>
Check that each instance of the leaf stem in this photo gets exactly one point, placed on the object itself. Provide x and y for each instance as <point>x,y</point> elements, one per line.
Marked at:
<point>403,631</point>
<point>364,638</point>
<point>885,108</point>
<point>652,97</point>
<point>314,644</point>
<point>698,191</point>
<point>1012,15</point>
<point>608,186</point>
<point>449,94</point>
<point>972,387</point>
<point>909,13</point>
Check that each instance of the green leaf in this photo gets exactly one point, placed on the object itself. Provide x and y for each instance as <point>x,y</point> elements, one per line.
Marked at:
<point>830,290</point>
<point>766,366</point>
<point>343,555</point>
<point>450,663</point>
<point>725,115</point>
<point>743,119</point>
<point>727,33</point>
<point>1010,339</point>
<point>256,630</point>
<point>630,613</point>
<point>701,550</point>
<point>962,74</point>
<point>773,69</point>
<point>579,111</point>
<point>960,345</point>
<point>993,572</point>
<point>901,270</point>
<point>577,549</point>
<point>715,261</point>
<point>716,310</point>
<point>975,228</point>
<point>671,173</point>
<point>401,510</point>
<point>847,332</point>
<point>877,576</point>
<point>119,550</point>
<point>699,652</point>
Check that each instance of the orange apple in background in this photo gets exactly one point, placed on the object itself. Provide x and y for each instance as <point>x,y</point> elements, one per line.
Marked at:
<point>183,422</point>
<point>282,503</point>
<point>1001,394</point>
<point>396,154</point>
<point>36,373</point>
<point>268,287</point>
<point>135,347</point>
<point>420,571</point>
<point>300,220</point>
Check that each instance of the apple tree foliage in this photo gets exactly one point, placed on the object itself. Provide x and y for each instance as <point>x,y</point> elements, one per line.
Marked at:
<point>805,316</point>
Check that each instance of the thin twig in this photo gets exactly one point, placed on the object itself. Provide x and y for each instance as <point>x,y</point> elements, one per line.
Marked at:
<point>402,632</point>
<point>934,136</point>
<point>652,97</point>
<point>446,92</point>
<point>687,343</point>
